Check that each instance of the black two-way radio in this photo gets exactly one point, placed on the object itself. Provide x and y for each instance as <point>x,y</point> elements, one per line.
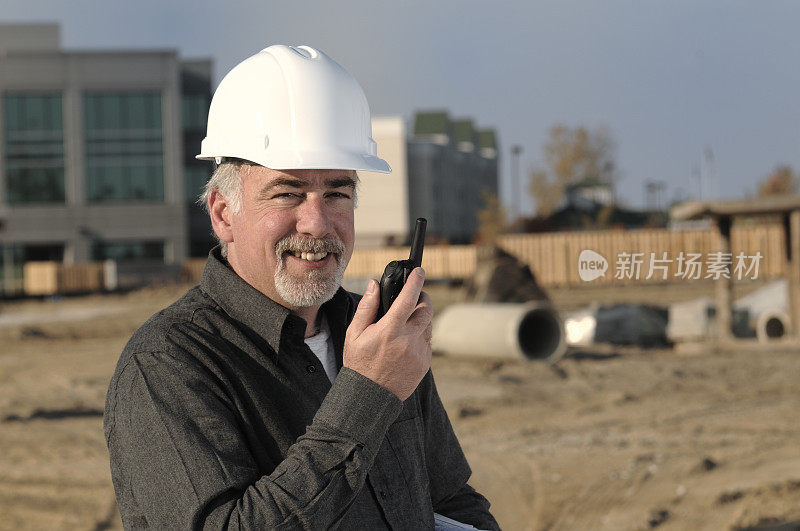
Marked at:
<point>397,271</point>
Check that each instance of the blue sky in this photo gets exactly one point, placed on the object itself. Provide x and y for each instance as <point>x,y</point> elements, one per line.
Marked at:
<point>667,78</point>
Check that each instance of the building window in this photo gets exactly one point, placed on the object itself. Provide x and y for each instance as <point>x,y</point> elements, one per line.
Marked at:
<point>34,148</point>
<point>42,252</point>
<point>128,251</point>
<point>194,109</point>
<point>124,147</point>
<point>195,178</point>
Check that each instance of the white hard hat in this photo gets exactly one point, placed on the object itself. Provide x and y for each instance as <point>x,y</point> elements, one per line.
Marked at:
<point>292,107</point>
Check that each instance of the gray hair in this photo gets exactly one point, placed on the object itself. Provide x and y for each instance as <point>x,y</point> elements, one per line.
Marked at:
<point>227,179</point>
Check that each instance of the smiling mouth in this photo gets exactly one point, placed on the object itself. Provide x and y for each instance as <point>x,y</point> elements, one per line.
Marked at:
<point>311,257</point>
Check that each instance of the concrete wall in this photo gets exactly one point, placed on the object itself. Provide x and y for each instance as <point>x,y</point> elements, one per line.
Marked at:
<point>382,213</point>
<point>29,37</point>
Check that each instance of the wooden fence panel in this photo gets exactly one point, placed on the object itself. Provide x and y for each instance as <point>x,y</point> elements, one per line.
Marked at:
<point>40,278</point>
<point>553,257</point>
<point>50,278</point>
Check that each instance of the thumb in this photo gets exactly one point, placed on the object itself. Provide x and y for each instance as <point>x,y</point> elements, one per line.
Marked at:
<point>367,309</point>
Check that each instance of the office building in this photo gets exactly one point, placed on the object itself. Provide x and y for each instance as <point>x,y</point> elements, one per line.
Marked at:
<point>97,159</point>
<point>441,170</point>
<point>452,165</point>
<point>96,151</point>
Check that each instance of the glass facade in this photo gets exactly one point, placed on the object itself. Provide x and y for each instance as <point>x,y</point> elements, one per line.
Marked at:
<point>194,111</point>
<point>19,253</point>
<point>194,116</point>
<point>124,146</point>
<point>196,172</point>
<point>128,251</point>
<point>34,148</point>
<point>195,177</point>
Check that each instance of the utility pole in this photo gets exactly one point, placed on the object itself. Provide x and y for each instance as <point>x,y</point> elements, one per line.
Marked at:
<point>516,207</point>
<point>8,268</point>
<point>650,200</point>
<point>659,187</point>
<point>707,175</point>
<point>710,173</point>
<point>697,175</point>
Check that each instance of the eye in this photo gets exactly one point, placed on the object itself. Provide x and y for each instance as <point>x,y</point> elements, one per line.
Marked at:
<point>339,195</point>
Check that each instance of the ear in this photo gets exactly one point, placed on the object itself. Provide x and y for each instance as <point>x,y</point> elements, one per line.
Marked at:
<point>220,216</point>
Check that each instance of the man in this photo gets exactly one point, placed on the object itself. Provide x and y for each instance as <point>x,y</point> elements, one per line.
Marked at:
<point>268,397</point>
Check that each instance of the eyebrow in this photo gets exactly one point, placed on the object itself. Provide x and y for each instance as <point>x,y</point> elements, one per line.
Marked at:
<point>337,182</point>
<point>341,182</point>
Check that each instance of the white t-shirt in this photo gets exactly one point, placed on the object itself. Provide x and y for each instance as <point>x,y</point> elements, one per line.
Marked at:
<point>321,345</point>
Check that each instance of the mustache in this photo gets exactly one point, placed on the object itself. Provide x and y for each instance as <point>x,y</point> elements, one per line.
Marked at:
<point>305,244</point>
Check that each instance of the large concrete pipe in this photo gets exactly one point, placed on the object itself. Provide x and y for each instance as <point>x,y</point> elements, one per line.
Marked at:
<point>500,330</point>
<point>772,325</point>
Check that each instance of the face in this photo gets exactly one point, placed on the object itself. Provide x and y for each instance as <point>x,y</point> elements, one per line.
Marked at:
<point>293,235</point>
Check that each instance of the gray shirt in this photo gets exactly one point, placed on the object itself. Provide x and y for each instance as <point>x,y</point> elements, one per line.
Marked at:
<point>218,415</point>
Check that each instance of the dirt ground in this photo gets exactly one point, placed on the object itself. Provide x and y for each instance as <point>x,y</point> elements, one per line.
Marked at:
<point>607,439</point>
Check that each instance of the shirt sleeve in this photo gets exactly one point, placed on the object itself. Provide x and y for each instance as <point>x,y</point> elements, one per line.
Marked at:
<point>448,470</point>
<point>174,441</point>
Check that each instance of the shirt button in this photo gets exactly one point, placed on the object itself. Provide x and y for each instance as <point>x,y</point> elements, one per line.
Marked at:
<point>383,494</point>
<point>311,369</point>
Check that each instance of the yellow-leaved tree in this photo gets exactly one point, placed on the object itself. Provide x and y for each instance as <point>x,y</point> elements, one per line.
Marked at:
<point>491,219</point>
<point>573,155</point>
<point>781,181</point>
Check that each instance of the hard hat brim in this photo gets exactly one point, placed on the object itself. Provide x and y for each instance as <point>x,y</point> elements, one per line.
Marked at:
<point>295,160</point>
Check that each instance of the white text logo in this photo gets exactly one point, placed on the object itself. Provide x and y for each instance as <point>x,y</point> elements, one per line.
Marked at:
<point>591,265</point>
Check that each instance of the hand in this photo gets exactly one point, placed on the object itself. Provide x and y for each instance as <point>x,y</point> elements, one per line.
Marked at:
<point>395,352</point>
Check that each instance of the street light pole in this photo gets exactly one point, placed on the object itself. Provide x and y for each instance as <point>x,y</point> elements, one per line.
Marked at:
<point>516,205</point>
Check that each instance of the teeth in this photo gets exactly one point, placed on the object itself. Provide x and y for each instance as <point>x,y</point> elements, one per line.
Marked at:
<point>312,257</point>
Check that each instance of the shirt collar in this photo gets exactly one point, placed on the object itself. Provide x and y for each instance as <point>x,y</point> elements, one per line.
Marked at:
<point>261,314</point>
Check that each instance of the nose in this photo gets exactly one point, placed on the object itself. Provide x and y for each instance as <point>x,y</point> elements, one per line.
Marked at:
<point>313,217</point>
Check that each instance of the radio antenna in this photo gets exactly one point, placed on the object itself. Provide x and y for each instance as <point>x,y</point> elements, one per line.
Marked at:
<point>417,242</point>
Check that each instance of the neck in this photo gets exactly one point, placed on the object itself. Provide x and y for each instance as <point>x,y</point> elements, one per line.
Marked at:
<point>310,316</point>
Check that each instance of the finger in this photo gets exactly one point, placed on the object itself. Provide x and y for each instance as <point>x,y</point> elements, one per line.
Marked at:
<point>423,313</point>
<point>425,356</point>
<point>425,298</point>
<point>367,309</point>
<point>406,301</point>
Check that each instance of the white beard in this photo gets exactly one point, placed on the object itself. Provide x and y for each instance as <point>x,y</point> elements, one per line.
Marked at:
<point>317,287</point>
<point>313,290</point>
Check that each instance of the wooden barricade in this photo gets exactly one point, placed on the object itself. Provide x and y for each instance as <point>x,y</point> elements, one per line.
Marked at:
<point>51,278</point>
<point>661,255</point>
<point>440,261</point>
